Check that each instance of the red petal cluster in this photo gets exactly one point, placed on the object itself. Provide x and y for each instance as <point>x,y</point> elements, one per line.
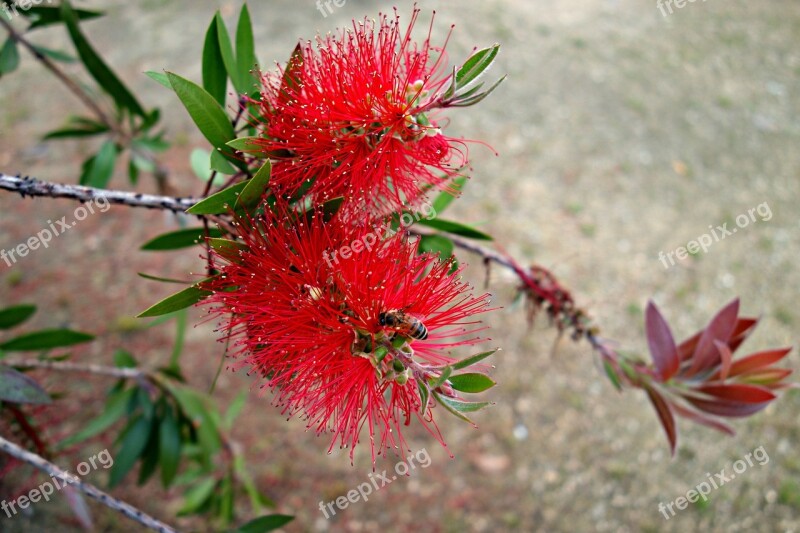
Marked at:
<point>352,117</point>
<point>699,379</point>
<point>307,320</point>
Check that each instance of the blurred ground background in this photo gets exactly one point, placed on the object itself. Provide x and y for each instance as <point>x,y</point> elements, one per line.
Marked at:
<point>621,133</point>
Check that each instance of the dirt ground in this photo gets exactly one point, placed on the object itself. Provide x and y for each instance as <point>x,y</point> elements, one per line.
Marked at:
<point>622,133</point>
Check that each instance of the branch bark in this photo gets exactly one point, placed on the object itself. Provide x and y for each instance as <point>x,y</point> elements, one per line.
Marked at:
<point>90,490</point>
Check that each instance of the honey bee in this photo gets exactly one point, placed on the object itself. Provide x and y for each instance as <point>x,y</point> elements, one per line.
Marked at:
<point>403,323</point>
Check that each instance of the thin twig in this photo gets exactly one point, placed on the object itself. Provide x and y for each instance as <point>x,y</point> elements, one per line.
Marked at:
<point>73,87</point>
<point>121,373</point>
<point>160,172</point>
<point>90,490</point>
<point>33,187</point>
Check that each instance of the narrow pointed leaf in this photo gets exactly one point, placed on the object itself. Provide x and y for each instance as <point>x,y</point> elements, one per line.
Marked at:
<point>661,343</point>
<point>456,228</point>
<point>180,300</point>
<point>720,328</point>
<point>175,240</point>
<point>472,382</point>
<point>265,523</point>
<point>245,47</point>
<point>45,340</point>
<point>738,392</point>
<point>476,65</point>
<point>221,202</point>
<point>471,360</point>
<point>104,76</point>
<point>206,112</point>
<point>16,387</point>
<point>700,418</point>
<point>215,78</point>
<point>9,56</point>
<point>255,188</point>
<point>665,416</point>
<point>16,315</point>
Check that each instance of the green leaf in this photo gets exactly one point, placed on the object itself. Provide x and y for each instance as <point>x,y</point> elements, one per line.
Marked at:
<point>462,407</point>
<point>265,523</point>
<point>99,172</point>
<point>180,300</point>
<point>219,163</point>
<point>133,444</point>
<point>612,375</point>
<point>123,359</point>
<point>9,56</point>
<point>456,228</point>
<point>45,340</point>
<point>45,16</point>
<point>234,409</point>
<point>476,65</point>
<point>466,102</point>
<point>215,79</point>
<point>206,112</point>
<point>200,160</point>
<point>445,198</point>
<point>159,77</point>
<point>255,188</point>
<point>245,48</point>
<point>150,454</point>
<point>169,449</point>
<point>436,383</point>
<point>228,58</point>
<point>436,244</point>
<point>244,144</point>
<point>424,394</point>
<point>95,65</point>
<point>196,408</point>
<point>78,127</point>
<point>162,280</point>
<point>197,496</point>
<point>56,55</point>
<point>218,203</point>
<point>16,315</point>
<point>16,387</point>
<point>471,382</point>
<point>116,407</point>
<point>471,360</point>
<point>175,240</point>
<point>228,249</point>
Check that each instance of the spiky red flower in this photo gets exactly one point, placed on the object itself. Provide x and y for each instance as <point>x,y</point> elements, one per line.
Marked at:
<point>698,378</point>
<point>353,117</point>
<point>307,318</point>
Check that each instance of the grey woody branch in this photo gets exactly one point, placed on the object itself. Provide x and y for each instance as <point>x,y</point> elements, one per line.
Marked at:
<point>90,490</point>
<point>26,186</point>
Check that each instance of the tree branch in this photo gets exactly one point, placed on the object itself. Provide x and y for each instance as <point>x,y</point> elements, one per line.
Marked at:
<point>33,187</point>
<point>90,490</point>
<point>121,373</point>
<point>540,287</point>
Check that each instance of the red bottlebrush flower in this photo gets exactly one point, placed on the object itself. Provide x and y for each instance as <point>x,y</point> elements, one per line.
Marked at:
<point>353,117</point>
<point>698,378</point>
<point>345,336</point>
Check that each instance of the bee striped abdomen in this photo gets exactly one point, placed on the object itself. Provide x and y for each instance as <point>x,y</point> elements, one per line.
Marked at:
<point>403,324</point>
